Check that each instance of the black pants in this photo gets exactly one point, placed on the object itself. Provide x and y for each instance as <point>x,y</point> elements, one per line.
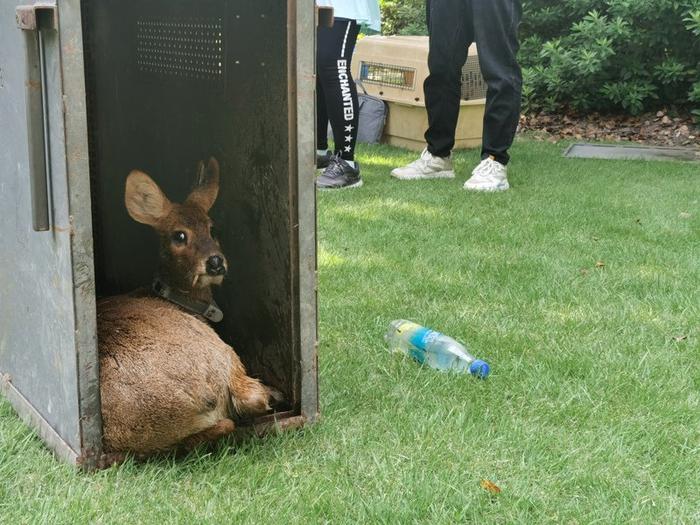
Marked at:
<point>453,26</point>
<point>336,93</point>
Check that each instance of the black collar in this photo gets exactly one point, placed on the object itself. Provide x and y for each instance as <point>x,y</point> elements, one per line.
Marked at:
<point>207,310</point>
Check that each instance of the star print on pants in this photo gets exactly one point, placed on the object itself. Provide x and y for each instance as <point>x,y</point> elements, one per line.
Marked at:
<point>348,149</point>
<point>348,138</point>
<point>349,127</point>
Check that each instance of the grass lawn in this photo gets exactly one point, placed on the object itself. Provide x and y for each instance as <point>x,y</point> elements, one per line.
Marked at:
<point>574,285</point>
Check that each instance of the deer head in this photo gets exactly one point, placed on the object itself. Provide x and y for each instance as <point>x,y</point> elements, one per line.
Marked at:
<point>190,258</point>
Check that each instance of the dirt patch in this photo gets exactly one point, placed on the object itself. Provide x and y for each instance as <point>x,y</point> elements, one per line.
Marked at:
<point>663,128</point>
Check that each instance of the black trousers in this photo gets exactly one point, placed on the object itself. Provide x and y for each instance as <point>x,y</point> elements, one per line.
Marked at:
<point>453,26</point>
<point>336,93</point>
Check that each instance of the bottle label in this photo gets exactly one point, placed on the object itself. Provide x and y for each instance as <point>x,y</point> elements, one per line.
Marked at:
<point>423,337</point>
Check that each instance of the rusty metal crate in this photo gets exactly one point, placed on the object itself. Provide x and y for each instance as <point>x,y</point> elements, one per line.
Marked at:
<point>115,85</point>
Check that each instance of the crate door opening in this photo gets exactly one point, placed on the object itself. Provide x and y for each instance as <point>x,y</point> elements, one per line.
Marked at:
<point>170,84</point>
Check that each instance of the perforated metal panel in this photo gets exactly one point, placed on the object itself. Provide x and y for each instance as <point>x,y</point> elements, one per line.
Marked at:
<point>180,46</point>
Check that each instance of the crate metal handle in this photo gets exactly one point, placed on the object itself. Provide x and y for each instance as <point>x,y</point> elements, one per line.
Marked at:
<point>34,20</point>
<point>325,16</point>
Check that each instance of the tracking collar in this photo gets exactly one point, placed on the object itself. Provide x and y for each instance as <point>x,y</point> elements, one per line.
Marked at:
<point>207,310</point>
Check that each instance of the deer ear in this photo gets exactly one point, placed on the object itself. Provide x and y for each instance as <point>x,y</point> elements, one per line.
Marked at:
<point>144,200</point>
<point>205,192</point>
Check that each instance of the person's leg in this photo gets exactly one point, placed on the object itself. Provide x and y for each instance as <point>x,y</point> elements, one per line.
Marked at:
<point>451,33</point>
<point>334,55</point>
<point>496,34</point>
<point>321,117</point>
<point>335,48</point>
<point>323,154</point>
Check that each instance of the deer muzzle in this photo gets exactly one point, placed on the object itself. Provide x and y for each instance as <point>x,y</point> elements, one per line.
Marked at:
<point>215,266</point>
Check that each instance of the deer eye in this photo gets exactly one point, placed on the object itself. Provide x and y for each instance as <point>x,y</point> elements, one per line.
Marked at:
<point>213,232</point>
<point>179,237</point>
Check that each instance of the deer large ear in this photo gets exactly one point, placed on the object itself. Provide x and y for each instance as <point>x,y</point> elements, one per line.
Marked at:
<point>144,200</point>
<point>205,192</point>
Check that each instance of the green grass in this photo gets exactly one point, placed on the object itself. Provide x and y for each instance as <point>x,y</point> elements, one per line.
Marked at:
<point>592,412</point>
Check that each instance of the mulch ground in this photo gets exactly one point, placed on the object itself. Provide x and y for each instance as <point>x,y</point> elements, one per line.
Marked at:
<point>663,128</point>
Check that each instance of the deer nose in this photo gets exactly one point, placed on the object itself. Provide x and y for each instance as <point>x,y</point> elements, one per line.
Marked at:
<point>215,265</point>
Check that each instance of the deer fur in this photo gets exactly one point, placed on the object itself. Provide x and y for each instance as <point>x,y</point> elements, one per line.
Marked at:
<point>167,380</point>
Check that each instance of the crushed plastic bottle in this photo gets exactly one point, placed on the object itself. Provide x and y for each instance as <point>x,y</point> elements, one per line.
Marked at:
<point>433,348</point>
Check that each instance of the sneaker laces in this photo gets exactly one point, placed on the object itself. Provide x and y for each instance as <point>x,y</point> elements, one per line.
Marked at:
<point>423,160</point>
<point>335,167</point>
<point>488,167</point>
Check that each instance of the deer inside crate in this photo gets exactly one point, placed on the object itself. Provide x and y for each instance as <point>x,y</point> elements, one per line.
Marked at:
<point>167,380</point>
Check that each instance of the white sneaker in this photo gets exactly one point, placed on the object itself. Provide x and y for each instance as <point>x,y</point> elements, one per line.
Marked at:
<point>489,175</point>
<point>427,166</point>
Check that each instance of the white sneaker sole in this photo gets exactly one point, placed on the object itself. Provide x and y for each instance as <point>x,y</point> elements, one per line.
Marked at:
<point>348,187</point>
<point>500,187</point>
<point>425,176</point>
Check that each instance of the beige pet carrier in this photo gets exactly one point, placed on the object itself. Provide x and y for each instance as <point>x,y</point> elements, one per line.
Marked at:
<point>393,68</point>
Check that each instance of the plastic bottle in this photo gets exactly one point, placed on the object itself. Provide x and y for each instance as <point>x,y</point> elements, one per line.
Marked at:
<point>433,348</point>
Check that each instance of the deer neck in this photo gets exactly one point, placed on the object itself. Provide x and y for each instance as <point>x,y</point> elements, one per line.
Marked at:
<point>198,301</point>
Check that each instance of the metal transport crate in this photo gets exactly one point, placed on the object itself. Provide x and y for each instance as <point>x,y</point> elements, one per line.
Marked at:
<point>393,68</point>
<point>90,90</point>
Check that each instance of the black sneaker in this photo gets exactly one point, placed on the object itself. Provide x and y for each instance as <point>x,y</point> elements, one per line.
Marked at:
<point>339,175</point>
<point>322,161</point>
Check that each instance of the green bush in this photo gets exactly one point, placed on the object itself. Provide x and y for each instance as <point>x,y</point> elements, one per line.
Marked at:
<point>403,17</point>
<point>602,55</point>
<point>610,54</point>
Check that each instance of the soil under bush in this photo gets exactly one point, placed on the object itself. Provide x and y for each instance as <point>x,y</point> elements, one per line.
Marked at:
<point>663,128</point>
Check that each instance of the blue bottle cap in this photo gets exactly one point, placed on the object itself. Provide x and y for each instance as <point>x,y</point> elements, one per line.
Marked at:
<point>479,368</point>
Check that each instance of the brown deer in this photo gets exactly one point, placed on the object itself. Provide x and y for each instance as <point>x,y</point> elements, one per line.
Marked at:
<point>167,379</point>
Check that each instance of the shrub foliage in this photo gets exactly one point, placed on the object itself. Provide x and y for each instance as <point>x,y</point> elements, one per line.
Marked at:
<point>403,17</point>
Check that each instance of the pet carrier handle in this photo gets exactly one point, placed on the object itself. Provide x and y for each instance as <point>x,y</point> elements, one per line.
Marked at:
<point>34,20</point>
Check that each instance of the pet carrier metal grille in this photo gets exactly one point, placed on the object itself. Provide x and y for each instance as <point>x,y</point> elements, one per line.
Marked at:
<point>388,75</point>
<point>473,85</point>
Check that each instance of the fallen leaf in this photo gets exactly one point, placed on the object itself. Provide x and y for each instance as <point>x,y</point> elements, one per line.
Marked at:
<point>684,215</point>
<point>584,271</point>
<point>599,264</point>
<point>596,238</point>
<point>679,338</point>
<point>490,486</point>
